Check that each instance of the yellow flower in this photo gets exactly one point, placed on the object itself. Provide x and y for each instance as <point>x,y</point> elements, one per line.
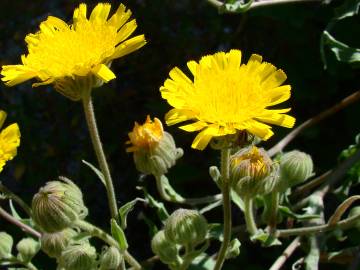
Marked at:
<point>226,96</point>
<point>58,53</point>
<point>9,141</point>
<point>145,136</point>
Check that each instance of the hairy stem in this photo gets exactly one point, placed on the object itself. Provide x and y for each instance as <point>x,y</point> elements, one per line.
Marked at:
<point>99,233</point>
<point>286,254</point>
<point>249,216</point>
<point>225,172</point>
<point>95,138</point>
<point>18,223</point>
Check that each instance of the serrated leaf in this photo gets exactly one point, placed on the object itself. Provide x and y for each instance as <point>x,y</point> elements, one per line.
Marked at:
<point>233,249</point>
<point>126,209</point>
<point>287,212</point>
<point>96,171</point>
<point>118,235</point>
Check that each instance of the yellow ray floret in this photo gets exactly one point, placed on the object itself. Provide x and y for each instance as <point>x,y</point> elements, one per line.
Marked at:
<point>225,96</point>
<point>86,47</point>
<point>145,136</point>
<point>9,141</point>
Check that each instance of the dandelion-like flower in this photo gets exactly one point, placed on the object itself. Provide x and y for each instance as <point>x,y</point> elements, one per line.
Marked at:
<point>9,141</point>
<point>145,136</point>
<point>60,53</point>
<point>226,96</point>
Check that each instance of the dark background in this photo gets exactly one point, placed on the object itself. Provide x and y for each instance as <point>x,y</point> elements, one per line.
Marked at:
<point>54,132</point>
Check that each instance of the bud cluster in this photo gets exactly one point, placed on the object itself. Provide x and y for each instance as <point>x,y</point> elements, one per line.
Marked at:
<point>184,228</point>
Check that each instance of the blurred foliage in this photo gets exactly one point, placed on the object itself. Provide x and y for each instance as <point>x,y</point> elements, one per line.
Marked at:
<point>54,134</point>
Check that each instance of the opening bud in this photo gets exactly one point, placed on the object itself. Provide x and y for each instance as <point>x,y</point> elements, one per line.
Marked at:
<point>186,227</point>
<point>6,243</point>
<point>167,251</point>
<point>154,149</point>
<point>252,172</point>
<point>295,168</point>
<point>27,249</point>
<point>79,256</point>
<point>53,244</point>
<point>58,205</point>
<point>110,259</point>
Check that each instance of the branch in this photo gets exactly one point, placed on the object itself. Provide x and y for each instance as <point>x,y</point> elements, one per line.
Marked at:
<point>16,198</point>
<point>259,4</point>
<point>286,254</point>
<point>312,121</point>
<point>18,223</point>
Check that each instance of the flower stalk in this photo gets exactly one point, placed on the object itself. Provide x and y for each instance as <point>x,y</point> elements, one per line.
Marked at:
<point>249,215</point>
<point>95,138</point>
<point>225,175</point>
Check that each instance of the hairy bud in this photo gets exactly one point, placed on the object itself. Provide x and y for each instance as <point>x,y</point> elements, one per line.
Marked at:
<point>186,227</point>
<point>110,259</point>
<point>80,256</point>
<point>27,249</point>
<point>6,243</point>
<point>58,205</point>
<point>165,249</point>
<point>295,168</point>
<point>54,243</point>
<point>154,149</point>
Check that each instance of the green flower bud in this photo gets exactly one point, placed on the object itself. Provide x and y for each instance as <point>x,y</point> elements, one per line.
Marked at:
<point>110,259</point>
<point>167,251</point>
<point>53,244</point>
<point>252,172</point>
<point>80,256</point>
<point>154,149</point>
<point>295,168</point>
<point>354,212</point>
<point>6,243</point>
<point>27,249</point>
<point>58,205</point>
<point>186,227</point>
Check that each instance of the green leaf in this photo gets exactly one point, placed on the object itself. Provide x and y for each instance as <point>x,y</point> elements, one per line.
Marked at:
<point>233,249</point>
<point>236,6</point>
<point>126,209</point>
<point>267,240</point>
<point>118,235</point>
<point>210,206</point>
<point>176,197</point>
<point>151,225</point>
<point>235,198</point>
<point>159,206</point>
<point>286,211</point>
<point>215,231</point>
<point>16,215</point>
<point>96,171</point>
<point>202,262</point>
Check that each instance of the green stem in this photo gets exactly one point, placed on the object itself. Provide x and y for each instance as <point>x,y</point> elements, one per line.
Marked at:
<point>15,260</point>
<point>343,225</point>
<point>225,173</point>
<point>16,198</point>
<point>249,216</point>
<point>99,233</point>
<point>274,210</point>
<point>95,138</point>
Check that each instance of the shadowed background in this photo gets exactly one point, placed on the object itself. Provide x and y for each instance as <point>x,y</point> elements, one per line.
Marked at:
<point>54,132</point>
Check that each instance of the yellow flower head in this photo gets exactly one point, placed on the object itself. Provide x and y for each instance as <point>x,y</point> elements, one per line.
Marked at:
<point>9,141</point>
<point>226,96</point>
<point>59,52</point>
<point>145,136</point>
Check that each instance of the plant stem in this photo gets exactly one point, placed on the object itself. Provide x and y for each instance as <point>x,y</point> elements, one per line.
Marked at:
<point>225,173</point>
<point>286,254</point>
<point>99,233</point>
<point>95,138</point>
<point>343,225</point>
<point>15,260</point>
<point>16,198</point>
<point>249,216</point>
<point>274,210</point>
<point>18,223</point>
<point>312,121</point>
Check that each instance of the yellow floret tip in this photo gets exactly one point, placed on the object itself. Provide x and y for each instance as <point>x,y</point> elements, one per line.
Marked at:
<point>225,96</point>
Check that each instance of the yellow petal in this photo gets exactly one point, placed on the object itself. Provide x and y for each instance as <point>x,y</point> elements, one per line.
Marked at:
<point>194,126</point>
<point>9,140</point>
<point>234,58</point>
<point>126,31</point>
<point>129,46</point>
<point>100,12</point>
<point>15,74</point>
<point>103,72</point>
<point>3,115</point>
<point>275,79</point>
<point>261,130</point>
<point>204,137</point>
<point>279,94</point>
<point>120,17</point>
<point>175,116</point>
<point>178,76</point>
<point>57,23</point>
<point>192,65</point>
<point>283,120</point>
<point>80,14</point>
